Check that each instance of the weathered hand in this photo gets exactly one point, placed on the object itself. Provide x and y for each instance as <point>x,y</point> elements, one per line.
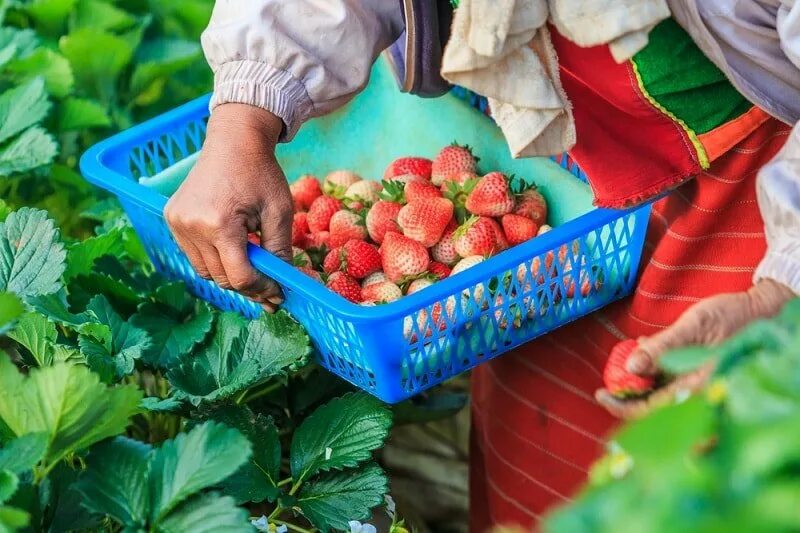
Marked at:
<point>708,322</point>
<point>236,187</point>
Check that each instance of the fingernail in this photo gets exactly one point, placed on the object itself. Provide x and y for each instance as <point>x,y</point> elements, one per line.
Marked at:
<point>275,300</point>
<point>635,364</point>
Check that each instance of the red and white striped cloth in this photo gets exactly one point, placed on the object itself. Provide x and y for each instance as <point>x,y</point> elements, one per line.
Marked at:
<point>536,425</point>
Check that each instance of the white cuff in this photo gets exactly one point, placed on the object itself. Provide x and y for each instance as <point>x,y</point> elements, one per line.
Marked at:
<point>781,264</point>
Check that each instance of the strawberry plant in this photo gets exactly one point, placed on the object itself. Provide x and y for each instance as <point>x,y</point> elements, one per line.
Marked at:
<point>724,460</point>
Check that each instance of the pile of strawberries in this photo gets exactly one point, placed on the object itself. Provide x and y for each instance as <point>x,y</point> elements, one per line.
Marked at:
<point>374,242</point>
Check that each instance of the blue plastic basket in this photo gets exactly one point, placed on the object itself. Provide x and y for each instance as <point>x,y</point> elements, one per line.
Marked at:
<point>396,350</point>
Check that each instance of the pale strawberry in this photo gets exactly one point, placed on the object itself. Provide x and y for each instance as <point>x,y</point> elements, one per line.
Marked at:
<point>362,194</point>
<point>320,213</point>
<point>461,179</point>
<point>360,259</point>
<point>420,189</point>
<point>337,182</point>
<point>452,160</point>
<point>464,264</point>
<point>544,228</point>
<point>382,217</point>
<point>418,284</point>
<point>375,277</point>
<point>346,225</point>
<point>425,220</point>
<point>439,270</point>
<point>418,166</point>
<point>403,257</point>
<point>317,240</point>
<point>304,191</point>
<point>444,251</point>
<point>518,228</point>
<point>476,236</point>
<point>491,196</point>
<point>299,229</point>
<point>530,203</point>
<point>333,261</point>
<point>381,292</point>
<point>310,272</point>
<point>345,286</point>
<point>300,258</point>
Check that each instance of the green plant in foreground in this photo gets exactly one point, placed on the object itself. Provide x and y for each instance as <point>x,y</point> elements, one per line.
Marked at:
<point>726,460</point>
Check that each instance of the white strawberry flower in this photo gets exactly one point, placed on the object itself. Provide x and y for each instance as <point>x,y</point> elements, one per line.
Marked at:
<point>261,524</point>
<point>358,527</point>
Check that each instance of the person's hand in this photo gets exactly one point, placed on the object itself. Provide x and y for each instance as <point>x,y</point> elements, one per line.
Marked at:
<point>236,187</point>
<point>708,322</point>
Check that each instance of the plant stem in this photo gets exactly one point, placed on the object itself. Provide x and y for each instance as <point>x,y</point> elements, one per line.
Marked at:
<point>263,392</point>
<point>283,482</point>
<point>275,513</point>
<point>238,400</point>
<point>294,527</point>
<point>295,487</point>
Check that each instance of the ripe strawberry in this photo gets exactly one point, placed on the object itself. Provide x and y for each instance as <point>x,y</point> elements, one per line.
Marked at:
<point>476,236</point>
<point>444,251</point>
<point>403,257</point>
<point>300,258</point>
<point>531,204</point>
<point>299,229</point>
<point>502,242</point>
<point>318,240</point>
<point>420,189</point>
<point>333,261</point>
<point>337,182</point>
<point>345,286</point>
<point>381,292</point>
<point>616,377</point>
<point>254,238</point>
<point>418,284</point>
<point>451,160</point>
<point>360,259</point>
<point>310,272</point>
<point>362,194</point>
<point>439,270</point>
<point>418,166</point>
<point>382,217</point>
<point>425,220</point>
<point>320,213</point>
<point>304,191</point>
<point>518,228</point>
<point>491,196</point>
<point>459,179</point>
<point>375,277</point>
<point>346,225</point>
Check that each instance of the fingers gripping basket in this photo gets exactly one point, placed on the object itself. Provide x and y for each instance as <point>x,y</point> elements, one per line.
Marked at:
<point>396,350</point>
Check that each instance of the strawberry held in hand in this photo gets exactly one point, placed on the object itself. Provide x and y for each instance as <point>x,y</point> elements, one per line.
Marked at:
<point>450,161</point>
<point>403,257</point>
<point>491,196</point>
<point>425,220</point>
<point>418,166</point>
<point>616,377</point>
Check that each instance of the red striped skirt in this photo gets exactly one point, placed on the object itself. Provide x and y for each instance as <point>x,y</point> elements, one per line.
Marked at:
<point>536,425</point>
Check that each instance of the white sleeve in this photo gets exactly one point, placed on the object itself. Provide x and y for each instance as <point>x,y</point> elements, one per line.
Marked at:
<point>779,201</point>
<point>789,29</point>
<point>296,58</point>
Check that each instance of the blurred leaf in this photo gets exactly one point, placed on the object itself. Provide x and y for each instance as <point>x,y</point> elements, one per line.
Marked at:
<point>99,15</point>
<point>684,360</point>
<point>33,149</point>
<point>21,108</point>
<point>47,64</point>
<point>23,453</point>
<point>12,519</point>
<point>81,114</point>
<point>97,59</point>
<point>766,387</point>
<point>23,42</point>
<point>8,485</point>
<point>50,16</point>
<point>428,407</point>
<point>157,60</point>
<point>10,310</point>
<point>31,255</point>
<point>332,500</point>
<point>341,433</point>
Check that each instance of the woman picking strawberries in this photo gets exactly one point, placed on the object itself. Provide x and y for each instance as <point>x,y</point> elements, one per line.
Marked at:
<point>692,99</point>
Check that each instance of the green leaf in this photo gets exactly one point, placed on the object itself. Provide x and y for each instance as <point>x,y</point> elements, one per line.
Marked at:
<point>82,255</point>
<point>23,453</point>
<point>157,405</point>
<point>257,479</point>
<point>54,306</point>
<point>37,334</point>
<point>33,149</point>
<point>31,255</point>
<point>22,107</point>
<point>63,510</point>
<point>8,485</point>
<point>685,360</point>
<point>239,357</point>
<point>10,310</point>
<point>23,42</point>
<point>123,344</point>
<point>47,64</point>
<point>341,433</point>
<point>67,402</point>
<point>81,114</point>
<point>116,481</point>
<point>175,327</point>
<point>99,15</point>
<point>5,210</point>
<point>332,500</point>
<point>207,513</point>
<point>12,519</point>
<point>157,60</point>
<point>97,58</point>
<point>50,16</point>
<point>194,461</point>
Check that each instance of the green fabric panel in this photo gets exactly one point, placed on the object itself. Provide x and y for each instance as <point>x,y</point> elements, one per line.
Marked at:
<point>677,74</point>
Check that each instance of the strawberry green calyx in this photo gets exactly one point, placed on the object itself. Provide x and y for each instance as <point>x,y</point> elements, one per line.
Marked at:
<point>393,191</point>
